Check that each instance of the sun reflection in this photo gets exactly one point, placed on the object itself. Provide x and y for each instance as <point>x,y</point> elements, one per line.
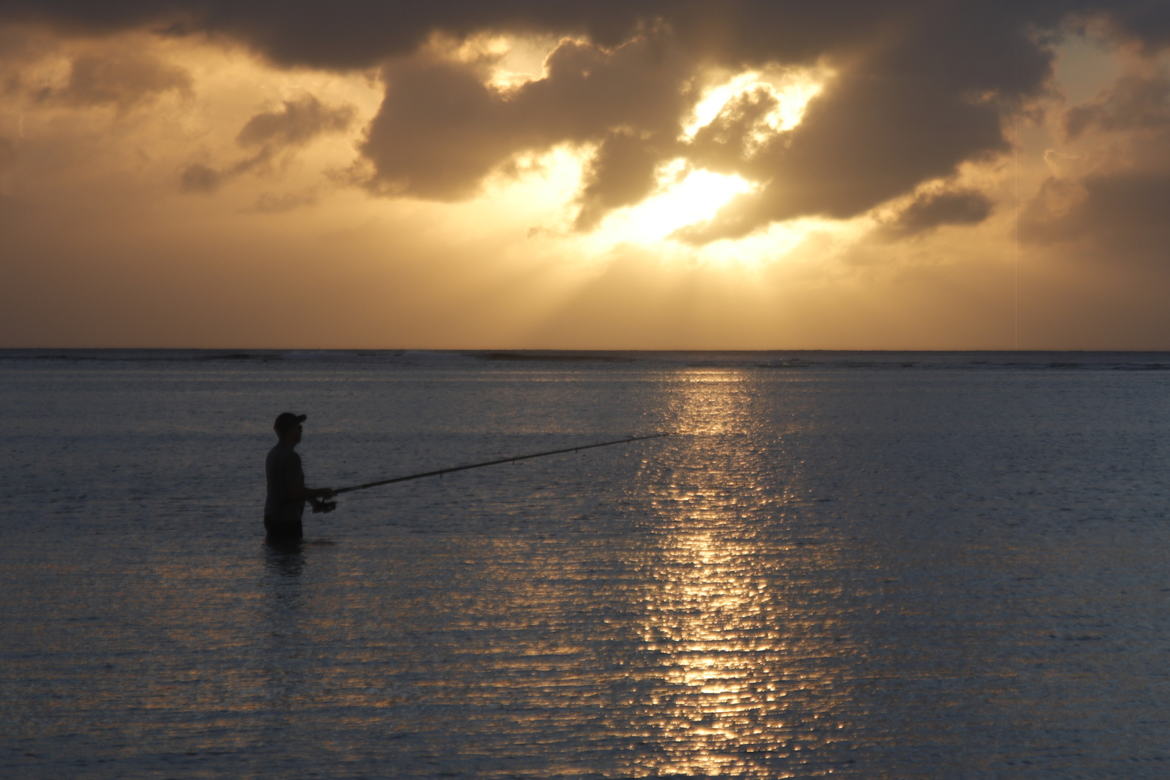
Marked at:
<point>737,694</point>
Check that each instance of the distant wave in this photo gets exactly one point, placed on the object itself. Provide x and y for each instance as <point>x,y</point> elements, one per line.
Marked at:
<point>558,357</point>
<point>787,360</point>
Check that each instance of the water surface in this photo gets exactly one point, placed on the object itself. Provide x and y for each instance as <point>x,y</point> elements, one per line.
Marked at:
<point>859,565</point>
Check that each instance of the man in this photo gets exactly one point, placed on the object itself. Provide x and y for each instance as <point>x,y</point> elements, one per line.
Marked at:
<point>287,493</point>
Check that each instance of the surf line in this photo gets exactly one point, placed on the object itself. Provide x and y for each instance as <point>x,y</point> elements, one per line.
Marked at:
<point>513,459</point>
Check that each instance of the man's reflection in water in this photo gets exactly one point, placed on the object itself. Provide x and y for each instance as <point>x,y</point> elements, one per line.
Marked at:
<point>282,674</point>
<point>283,610</point>
<point>284,559</point>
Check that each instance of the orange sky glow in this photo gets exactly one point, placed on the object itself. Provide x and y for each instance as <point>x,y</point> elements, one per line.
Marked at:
<point>526,186</point>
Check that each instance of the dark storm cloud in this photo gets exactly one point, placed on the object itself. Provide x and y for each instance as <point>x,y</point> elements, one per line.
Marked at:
<point>359,33</point>
<point>269,134</point>
<point>921,86</point>
<point>340,34</point>
<point>1144,21</point>
<point>935,209</point>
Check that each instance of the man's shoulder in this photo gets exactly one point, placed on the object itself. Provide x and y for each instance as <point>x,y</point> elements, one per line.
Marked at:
<point>280,455</point>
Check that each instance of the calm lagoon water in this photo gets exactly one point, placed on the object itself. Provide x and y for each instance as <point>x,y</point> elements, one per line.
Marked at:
<point>852,565</point>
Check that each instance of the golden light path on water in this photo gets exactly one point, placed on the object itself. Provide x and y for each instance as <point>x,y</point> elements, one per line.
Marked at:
<point>713,615</point>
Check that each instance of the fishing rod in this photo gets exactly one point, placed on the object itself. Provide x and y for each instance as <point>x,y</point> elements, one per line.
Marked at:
<point>328,506</point>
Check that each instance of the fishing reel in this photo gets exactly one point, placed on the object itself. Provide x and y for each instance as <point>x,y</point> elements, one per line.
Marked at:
<point>321,506</point>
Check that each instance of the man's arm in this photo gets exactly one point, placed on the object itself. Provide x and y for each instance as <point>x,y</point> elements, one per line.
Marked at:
<point>297,490</point>
<point>302,493</point>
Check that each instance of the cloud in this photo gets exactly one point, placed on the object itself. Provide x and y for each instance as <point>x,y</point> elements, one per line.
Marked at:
<point>933,209</point>
<point>734,135</point>
<point>439,130</point>
<point>345,34</point>
<point>198,177</point>
<point>205,179</point>
<point>123,80</point>
<point>1133,102</point>
<point>904,113</point>
<point>7,163</point>
<point>1109,202</point>
<point>298,122</point>
<point>360,33</point>
<point>622,173</point>
<point>279,203</point>
<point>442,128</point>
<point>1115,208</point>
<point>920,89</point>
<point>1119,218</point>
<point>269,135</point>
<point>868,141</point>
<point>912,105</point>
<point>1145,22</point>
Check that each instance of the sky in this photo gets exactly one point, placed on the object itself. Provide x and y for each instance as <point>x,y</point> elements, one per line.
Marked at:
<point>686,174</point>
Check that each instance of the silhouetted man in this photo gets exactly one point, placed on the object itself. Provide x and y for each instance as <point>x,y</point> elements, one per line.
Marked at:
<point>287,494</point>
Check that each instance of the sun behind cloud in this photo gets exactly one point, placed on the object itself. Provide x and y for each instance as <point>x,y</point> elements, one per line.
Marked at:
<point>687,195</point>
<point>792,89</point>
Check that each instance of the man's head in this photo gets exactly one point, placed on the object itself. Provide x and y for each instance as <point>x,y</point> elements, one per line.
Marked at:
<point>288,427</point>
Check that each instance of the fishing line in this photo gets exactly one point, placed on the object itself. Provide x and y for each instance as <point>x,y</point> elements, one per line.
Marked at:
<point>328,506</point>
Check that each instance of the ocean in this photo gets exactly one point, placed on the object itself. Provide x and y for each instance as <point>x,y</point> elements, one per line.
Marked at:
<point>863,565</point>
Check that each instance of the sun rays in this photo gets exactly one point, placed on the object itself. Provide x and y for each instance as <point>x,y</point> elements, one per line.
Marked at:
<point>684,194</point>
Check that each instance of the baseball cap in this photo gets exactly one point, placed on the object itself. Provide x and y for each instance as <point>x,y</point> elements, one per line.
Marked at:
<point>287,420</point>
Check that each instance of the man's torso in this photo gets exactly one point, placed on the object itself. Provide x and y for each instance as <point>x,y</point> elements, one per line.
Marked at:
<point>284,475</point>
